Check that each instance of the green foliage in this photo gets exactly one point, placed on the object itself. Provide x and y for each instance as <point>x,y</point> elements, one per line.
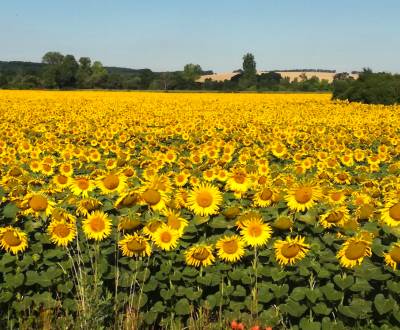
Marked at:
<point>370,88</point>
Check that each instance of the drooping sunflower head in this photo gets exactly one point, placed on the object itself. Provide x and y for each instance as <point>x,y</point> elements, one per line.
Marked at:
<point>353,251</point>
<point>127,199</point>
<point>335,217</point>
<point>199,255</point>
<point>283,222</point>
<point>204,200</point>
<point>392,257</point>
<point>61,232</point>
<point>290,250</point>
<point>255,232</point>
<point>151,226</point>
<point>165,237</point>
<point>230,248</point>
<point>129,223</point>
<point>13,240</point>
<point>135,246</point>
<point>87,205</point>
<point>97,226</point>
<point>303,197</point>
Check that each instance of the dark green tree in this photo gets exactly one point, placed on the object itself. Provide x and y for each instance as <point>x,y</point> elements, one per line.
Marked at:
<point>84,72</point>
<point>249,76</point>
<point>192,72</point>
<point>67,72</point>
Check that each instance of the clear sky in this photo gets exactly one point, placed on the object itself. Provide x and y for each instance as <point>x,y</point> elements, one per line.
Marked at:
<point>166,34</point>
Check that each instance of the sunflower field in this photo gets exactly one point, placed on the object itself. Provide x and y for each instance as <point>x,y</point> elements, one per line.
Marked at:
<point>154,210</point>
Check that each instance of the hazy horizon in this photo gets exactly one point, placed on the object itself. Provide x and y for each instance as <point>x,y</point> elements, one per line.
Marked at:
<point>164,36</point>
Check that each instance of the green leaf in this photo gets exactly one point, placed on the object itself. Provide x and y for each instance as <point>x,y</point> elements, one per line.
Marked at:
<point>298,294</point>
<point>358,309</point>
<point>5,296</point>
<point>150,317</point>
<point>240,291</point>
<point>44,299</point>
<point>344,281</point>
<point>383,305</point>
<point>294,308</point>
<point>166,294</point>
<point>10,211</point>
<point>313,294</point>
<point>321,309</point>
<point>65,287</point>
<point>361,285</point>
<point>306,324</point>
<point>14,280</point>
<point>151,285</point>
<point>280,291</point>
<point>330,293</point>
<point>393,286</point>
<point>264,295</point>
<point>278,274</point>
<point>193,294</point>
<point>182,307</point>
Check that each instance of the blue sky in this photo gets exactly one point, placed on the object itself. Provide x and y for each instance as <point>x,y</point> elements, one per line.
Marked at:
<point>166,34</point>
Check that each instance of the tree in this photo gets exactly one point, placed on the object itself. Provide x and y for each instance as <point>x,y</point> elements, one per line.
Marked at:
<point>249,76</point>
<point>84,72</point>
<point>192,72</point>
<point>52,58</point>
<point>67,72</point>
<point>99,75</point>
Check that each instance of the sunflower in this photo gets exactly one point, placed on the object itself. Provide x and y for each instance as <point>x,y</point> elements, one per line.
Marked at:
<point>81,186</point>
<point>66,169</point>
<point>127,199</point>
<point>37,204</point>
<point>87,205</point>
<point>290,250</point>
<point>353,251</point>
<point>303,197</point>
<point>111,183</point>
<point>129,222</point>
<point>239,181</point>
<point>13,240</point>
<point>174,220</point>
<point>336,197</point>
<point>255,232</point>
<point>97,226</point>
<point>204,200</point>
<point>151,226</point>
<point>230,248</point>
<point>60,214</point>
<point>165,237</point>
<point>264,197</point>
<point>335,217</point>
<point>156,199</point>
<point>392,258</point>
<point>61,181</point>
<point>61,232</point>
<point>283,222</point>
<point>199,255</point>
<point>390,214</point>
<point>134,245</point>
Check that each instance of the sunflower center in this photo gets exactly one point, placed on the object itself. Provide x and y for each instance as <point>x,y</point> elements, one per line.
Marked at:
<point>335,217</point>
<point>395,254</point>
<point>11,238</point>
<point>262,180</point>
<point>97,224</point>
<point>239,178</point>
<point>356,250</point>
<point>151,196</point>
<point>290,250</point>
<point>230,247</point>
<point>266,194</point>
<point>111,181</point>
<point>174,222</point>
<point>342,176</point>
<point>303,195</point>
<point>38,203</point>
<point>66,168</point>
<point>336,196</point>
<point>83,184</point>
<point>15,172</point>
<point>154,226</point>
<point>165,237</point>
<point>61,230</point>
<point>62,179</point>
<point>135,246</point>
<point>129,172</point>
<point>255,230</point>
<point>204,199</point>
<point>129,200</point>
<point>201,254</point>
<point>394,212</point>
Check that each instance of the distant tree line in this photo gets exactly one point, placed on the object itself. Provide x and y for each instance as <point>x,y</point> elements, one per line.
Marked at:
<point>369,87</point>
<point>58,71</point>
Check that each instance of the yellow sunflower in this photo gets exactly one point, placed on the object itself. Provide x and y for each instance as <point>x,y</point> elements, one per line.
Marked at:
<point>61,181</point>
<point>97,226</point>
<point>392,257</point>
<point>111,183</point>
<point>165,237</point>
<point>335,217</point>
<point>13,240</point>
<point>66,169</point>
<point>151,226</point>
<point>204,200</point>
<point>87,205</point>
<point>283,222</point>
<point>239,181</point>
<point>199,255</point>
<point>255,232</point>
<point>156,199</point>
<point>81,186</point>
<point>37,204</point>
<point>134,246</point>
<point>126,223</point>
<point>61,232</point>
<point>174,220</point>
<point>264,197</point>
<point>230,248</point>
<point>303,197</point>
<point>290,250</point>
<point>390,214</point>
<point>353,251</point>
<point>127,199</point>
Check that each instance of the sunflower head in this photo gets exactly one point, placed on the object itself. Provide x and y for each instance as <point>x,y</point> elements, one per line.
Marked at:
<point>392,257</point>
<point>353,251</point>
<point>303,197</point>
<point>97,226</point>
<point>255,232</point>
<point>199,255</point>
<point>13,240</point>
<point>290,250</point>
<point>165,237</point>
<point>204,200</point>
<point>230,248</point>
<point>134,246</point>
<point>61,232</point>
